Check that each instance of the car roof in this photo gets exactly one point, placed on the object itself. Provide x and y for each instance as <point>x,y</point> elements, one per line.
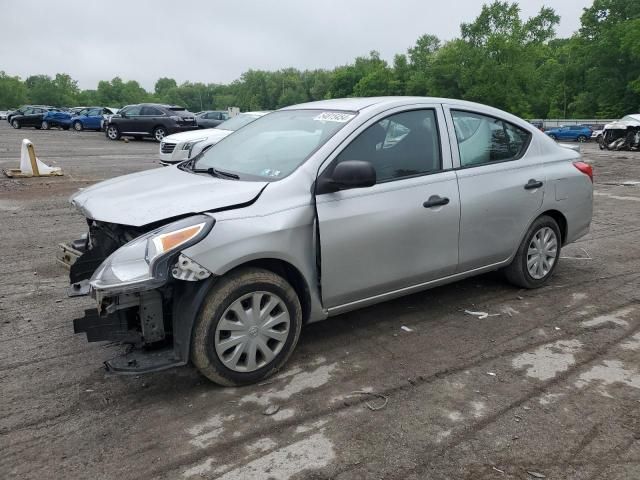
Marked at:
<point>360,103</point>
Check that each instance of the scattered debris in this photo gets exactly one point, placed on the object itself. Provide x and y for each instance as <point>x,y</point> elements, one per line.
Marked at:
<point>491,373</point>
<point>371,407</point>
<point>271,410</point>
<point>536,474</point>
<point>406,329</point>
<point>481,315</point>
<point>498,470</point>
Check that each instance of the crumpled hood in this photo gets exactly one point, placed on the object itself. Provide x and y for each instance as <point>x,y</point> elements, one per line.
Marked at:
<point>146,197</point>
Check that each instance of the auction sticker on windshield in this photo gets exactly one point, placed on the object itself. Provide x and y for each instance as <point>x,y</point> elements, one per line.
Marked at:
<point>334,117</point>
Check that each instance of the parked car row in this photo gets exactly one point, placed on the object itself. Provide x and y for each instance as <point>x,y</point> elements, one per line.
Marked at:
<point>46,117</point>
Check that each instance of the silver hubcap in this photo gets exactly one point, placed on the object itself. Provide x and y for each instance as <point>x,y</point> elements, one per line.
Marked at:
<point>15,124</point>
<point>77,126</point>
<point>159,134</point>
<point>542,253</point>
<point>112,132</point>
<point>45,125</point>
<point>252,331</point>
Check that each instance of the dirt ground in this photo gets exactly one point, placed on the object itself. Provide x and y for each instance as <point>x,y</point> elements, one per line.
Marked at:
<point>548,386</point>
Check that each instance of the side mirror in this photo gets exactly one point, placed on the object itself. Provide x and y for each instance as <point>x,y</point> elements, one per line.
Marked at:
<point>346,175</point>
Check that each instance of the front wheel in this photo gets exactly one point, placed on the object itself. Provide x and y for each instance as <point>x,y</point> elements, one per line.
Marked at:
<point>537,256</point>
<point>247,329</point>
<point>45,125</point>
<point>582,138</point>
<point>112,132</point>
<point>77,126</point>
<point>15,124</point>
<point>159,133</point>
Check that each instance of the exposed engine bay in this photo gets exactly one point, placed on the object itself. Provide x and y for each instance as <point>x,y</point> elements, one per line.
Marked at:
<point>621,139</point>
<point>623,134</point>
<point>143,319</point>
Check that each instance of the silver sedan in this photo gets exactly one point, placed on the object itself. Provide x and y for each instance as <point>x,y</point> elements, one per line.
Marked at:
<point>315,210</point>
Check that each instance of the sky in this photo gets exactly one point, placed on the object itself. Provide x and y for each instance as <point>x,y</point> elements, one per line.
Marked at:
<point>215,41</point>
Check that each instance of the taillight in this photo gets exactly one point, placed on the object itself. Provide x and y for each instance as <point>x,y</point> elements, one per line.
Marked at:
<point>585,168</point>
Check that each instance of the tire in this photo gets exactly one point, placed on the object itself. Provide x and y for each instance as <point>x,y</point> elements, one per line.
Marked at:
<point>582,138</point>
<point>518,272</point>
<point>238,290</point>
<point>112,132</point>
<point>45,125</point>
<point>15,124</point>
<point>77,126</point>
<point>159,133</point>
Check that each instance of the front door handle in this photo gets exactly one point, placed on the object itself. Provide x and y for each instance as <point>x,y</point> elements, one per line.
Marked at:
<point>533,184</point>
<point>435,201</point>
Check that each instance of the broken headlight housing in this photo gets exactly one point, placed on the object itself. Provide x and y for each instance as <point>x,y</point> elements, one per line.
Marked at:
<point>143,263</point>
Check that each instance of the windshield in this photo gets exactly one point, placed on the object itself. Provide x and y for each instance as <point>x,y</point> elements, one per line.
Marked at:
<point>630,118</point>
<point>237,122</point>
<point>275,145</point>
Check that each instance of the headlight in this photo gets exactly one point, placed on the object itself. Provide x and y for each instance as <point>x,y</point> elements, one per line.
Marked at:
<point>143,263</point>
<point>189,145</point>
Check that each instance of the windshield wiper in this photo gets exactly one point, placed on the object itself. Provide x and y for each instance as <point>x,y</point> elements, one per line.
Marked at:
<point>214,172</point>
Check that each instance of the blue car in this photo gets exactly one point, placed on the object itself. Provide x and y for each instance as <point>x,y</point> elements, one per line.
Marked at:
<point>91,118</point>
<point>577,133</point>
<point>56,118</point>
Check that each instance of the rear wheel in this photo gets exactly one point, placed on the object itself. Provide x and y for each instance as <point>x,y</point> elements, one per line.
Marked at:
<point>537,256</point>
<point>159,133</point>
<point>15,124</point>
<point>553,137</point>
<point>112,132</point>
<point>247,329</point>
<point>77,126</point>
<point>45,125</point>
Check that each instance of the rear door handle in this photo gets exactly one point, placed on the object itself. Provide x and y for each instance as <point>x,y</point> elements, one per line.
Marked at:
<point>533,184</point>
<point>435,201</point>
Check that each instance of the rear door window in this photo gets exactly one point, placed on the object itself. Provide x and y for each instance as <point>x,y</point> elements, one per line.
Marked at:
<point>483,139</point>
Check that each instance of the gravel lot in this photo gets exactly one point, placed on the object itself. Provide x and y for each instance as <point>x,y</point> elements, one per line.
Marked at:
<point>550,385</point>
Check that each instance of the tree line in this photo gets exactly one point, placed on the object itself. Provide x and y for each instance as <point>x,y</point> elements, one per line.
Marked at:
<point>499,59</point>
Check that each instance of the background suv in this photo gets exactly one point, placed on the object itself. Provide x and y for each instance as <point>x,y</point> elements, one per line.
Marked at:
<point>150,120</point>
<point>580,133</point>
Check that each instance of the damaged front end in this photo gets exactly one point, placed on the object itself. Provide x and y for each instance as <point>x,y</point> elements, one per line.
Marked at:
<point>622,135</point>
<point>147,292</point>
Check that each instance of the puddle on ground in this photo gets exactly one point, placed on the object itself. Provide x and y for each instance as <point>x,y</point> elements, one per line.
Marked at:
<point>298,382</point>
<point>261,445</point>
<point>615,318</point>
<point>633,343</point>
<point>203,434</point>
<point>310,453</point>
<point>608,373</point>
<point>548,360</point>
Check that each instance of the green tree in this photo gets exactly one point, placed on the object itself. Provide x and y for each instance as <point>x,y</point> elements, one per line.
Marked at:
<point>13,91</point>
